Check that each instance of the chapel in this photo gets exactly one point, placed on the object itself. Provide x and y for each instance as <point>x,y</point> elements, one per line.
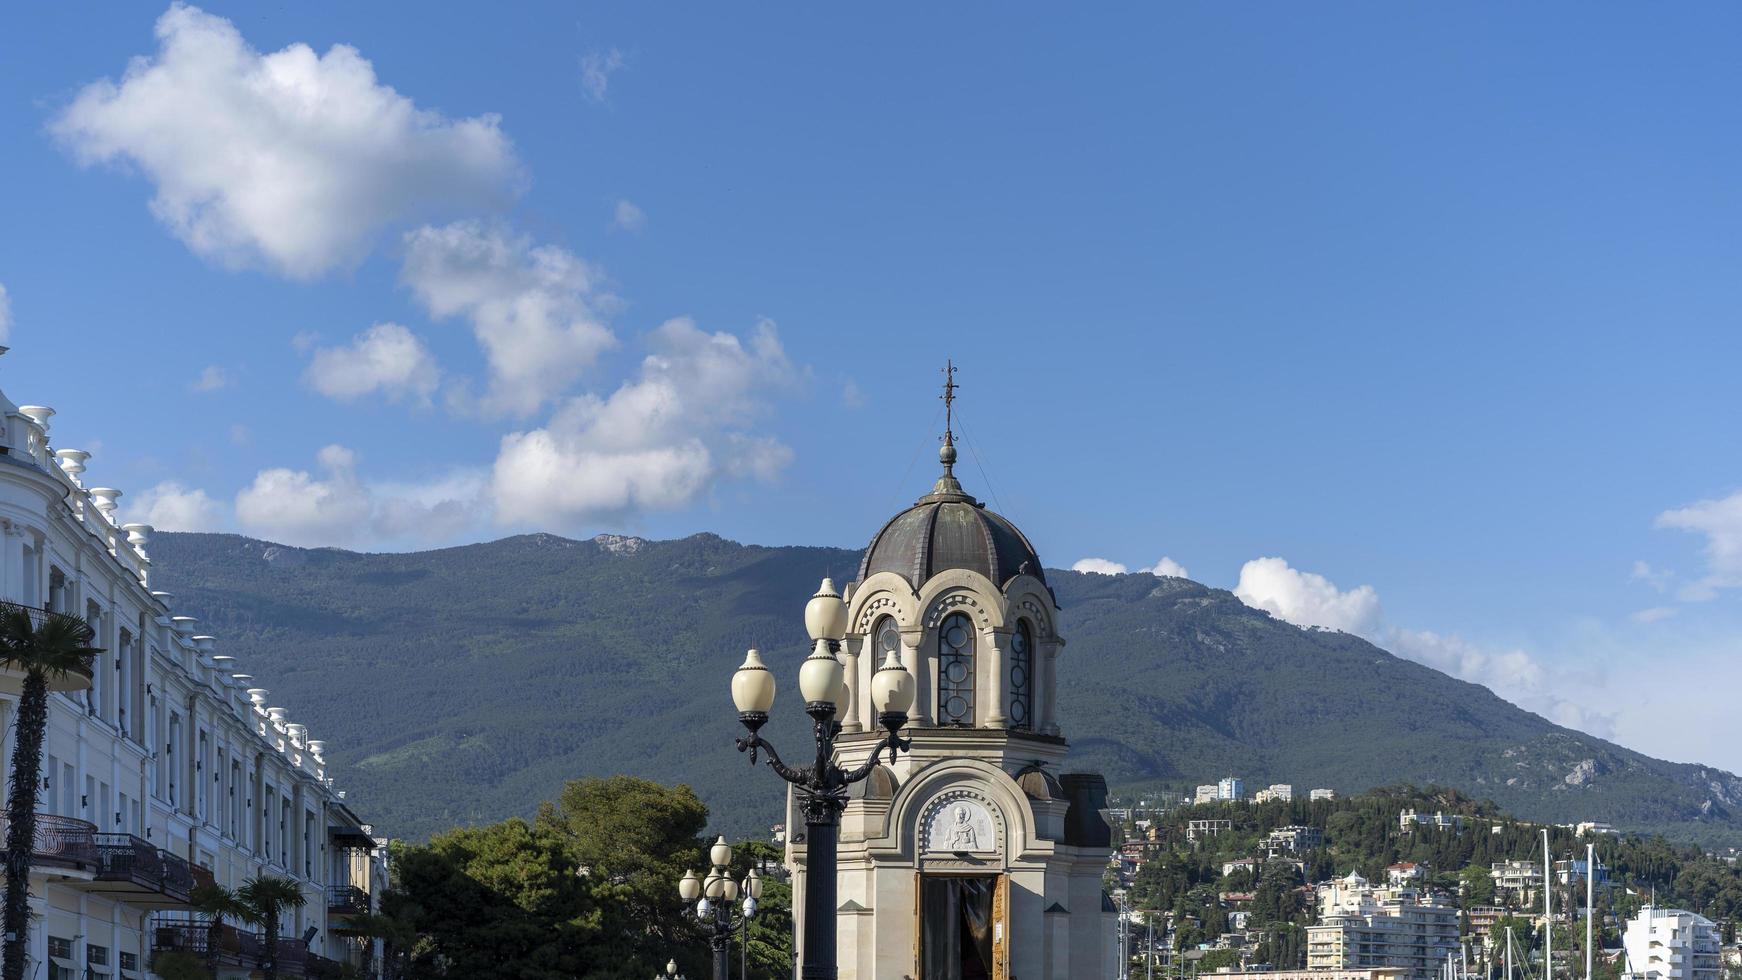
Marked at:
<point>973,855</point>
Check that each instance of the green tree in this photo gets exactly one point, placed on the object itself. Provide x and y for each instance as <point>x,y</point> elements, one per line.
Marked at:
<point>587,888</point>
<point>46,647</point>
<point>216,903</point>
<point>263,899</point>
<point>1476,883</point>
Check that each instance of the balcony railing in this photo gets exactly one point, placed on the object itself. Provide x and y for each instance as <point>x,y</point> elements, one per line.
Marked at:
<point>61,841</point>
<point>230,946</point>
<point>127,860</point>
<point>347,900</point>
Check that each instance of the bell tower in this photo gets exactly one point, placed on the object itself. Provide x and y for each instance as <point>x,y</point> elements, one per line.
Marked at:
<point>976,824</point>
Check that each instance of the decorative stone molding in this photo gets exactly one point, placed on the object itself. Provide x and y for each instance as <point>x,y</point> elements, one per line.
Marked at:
<point>870,612</point>
<point>956,602</point>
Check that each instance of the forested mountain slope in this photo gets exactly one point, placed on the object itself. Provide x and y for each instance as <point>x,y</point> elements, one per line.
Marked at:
<point>466,684</point>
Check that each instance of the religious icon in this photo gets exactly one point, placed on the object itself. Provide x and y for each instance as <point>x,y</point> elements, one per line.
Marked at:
<point>961,835</point>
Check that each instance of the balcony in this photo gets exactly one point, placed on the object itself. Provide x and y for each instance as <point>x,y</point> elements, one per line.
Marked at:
<point>347,900</point>
<point>227,946</point>
<point>62,842</point>
<point>12,678</point>
<point>140,874</point>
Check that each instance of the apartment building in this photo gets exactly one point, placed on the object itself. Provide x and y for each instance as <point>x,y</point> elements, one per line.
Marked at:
<point>1517,882</point>
<point>166,768</point>
<point>1292,840</point>
<point>1669,944</point>
<point>1363,927</point>
<point>1274,792</point>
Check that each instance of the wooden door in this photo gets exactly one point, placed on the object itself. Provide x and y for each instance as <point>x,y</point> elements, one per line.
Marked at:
<point>1001,928</point>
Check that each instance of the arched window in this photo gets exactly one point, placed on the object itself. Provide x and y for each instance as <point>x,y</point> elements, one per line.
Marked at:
<point>956,671</point>
<point>1021,676</point>
<point>885,639</point>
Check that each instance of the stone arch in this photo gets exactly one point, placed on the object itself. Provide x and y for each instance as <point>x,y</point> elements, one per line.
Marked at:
<point>883,594</point>
<point>996,790</point>
<point>960,590</point>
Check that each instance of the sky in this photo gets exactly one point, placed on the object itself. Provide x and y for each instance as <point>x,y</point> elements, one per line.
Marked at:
<point>1416,321</point>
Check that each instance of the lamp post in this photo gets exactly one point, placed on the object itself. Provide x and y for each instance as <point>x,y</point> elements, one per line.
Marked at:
<point>822,787</point>
<point>714,896</point>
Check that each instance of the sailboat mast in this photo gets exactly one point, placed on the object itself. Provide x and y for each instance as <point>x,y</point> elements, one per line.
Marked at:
<point>1508,953</point>
<point>1590,902</point>
<point>1547,911</point>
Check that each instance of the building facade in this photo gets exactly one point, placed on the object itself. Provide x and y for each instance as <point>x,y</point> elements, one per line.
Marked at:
<point>1362,927</point>
<point>973,854</point>
<point>166,768</point>
<point>1669,944</point>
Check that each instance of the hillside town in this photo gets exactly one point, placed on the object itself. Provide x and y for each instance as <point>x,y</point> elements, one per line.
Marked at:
<point>1395,885</point>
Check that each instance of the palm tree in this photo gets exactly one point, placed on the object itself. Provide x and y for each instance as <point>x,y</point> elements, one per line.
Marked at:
<point>266,897</point>
<point>215,902</point>
<point>46,646</point>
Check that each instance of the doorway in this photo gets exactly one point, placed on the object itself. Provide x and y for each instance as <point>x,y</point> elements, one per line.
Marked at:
<point>962,928</point>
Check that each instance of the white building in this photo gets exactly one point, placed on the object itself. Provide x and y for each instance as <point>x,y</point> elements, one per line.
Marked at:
<point>976,830</point>
<point>1408,820</point>
<point>1363,927</point>
<point>1321,794</point>
<point>165,768</point>
<point>1669,944</point>
<point>1231,788</point>
<point>1206,793</point>
<point>1518,882</point>
<point>1275,791</point>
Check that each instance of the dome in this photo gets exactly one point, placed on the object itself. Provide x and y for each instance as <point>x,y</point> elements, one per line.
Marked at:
<point>948,529</point>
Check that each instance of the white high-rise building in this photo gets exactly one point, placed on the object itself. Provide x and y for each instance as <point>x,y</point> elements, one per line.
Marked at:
<point>1669,944</point>
<point>1394,928</point>
<point>1231,788</point>
<point>165,768</point>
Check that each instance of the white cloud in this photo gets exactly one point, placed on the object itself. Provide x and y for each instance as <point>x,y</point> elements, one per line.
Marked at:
<point>170,506</point>
<point>385,358</point>
<point>338,508</point>
<point>1167,567</point>
<point>659,442</point>
<point>529,307</point>
<point>1653,614</point>
<point>628,217</point>
<point>1102,566</point>
<point>211,379</point>
<point>1721,522</point>
<point>1308,599</point>
<point>597,67</point>
<point>5,315</point>
<point>293,160</point>
<point>1658,579</point>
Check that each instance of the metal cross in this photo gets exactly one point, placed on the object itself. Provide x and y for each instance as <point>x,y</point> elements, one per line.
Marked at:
<point>949,395</point>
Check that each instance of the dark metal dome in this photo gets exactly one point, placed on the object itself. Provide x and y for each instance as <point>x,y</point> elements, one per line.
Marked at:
<point>948,529</point>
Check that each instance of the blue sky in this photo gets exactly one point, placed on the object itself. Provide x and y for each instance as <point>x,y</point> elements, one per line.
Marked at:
<point>1417,321</point>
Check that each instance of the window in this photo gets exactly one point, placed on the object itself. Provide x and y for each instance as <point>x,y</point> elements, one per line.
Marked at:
<point>60,959</point>
<point>885,639</point>
<point>129,962</point>
<point>956,671</point>
<point>1021,676</point>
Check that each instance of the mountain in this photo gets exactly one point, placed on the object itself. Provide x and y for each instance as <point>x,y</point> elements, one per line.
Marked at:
<point>466,684</point>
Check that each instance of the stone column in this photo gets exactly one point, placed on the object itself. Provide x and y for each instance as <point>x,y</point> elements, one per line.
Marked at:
<point>1047,689</point>
<point>924,684</point>
<point>994,716</point>
<point>850,648</point>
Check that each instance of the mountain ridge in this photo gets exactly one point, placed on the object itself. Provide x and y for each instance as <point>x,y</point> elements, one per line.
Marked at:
<point>463,684</point>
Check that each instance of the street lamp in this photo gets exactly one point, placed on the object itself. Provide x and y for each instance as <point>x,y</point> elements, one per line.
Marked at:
<point>822,788</point>
<point>713,896</point>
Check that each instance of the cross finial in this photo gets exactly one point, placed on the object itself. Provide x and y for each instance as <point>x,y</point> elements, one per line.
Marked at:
<point>949,397</point>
